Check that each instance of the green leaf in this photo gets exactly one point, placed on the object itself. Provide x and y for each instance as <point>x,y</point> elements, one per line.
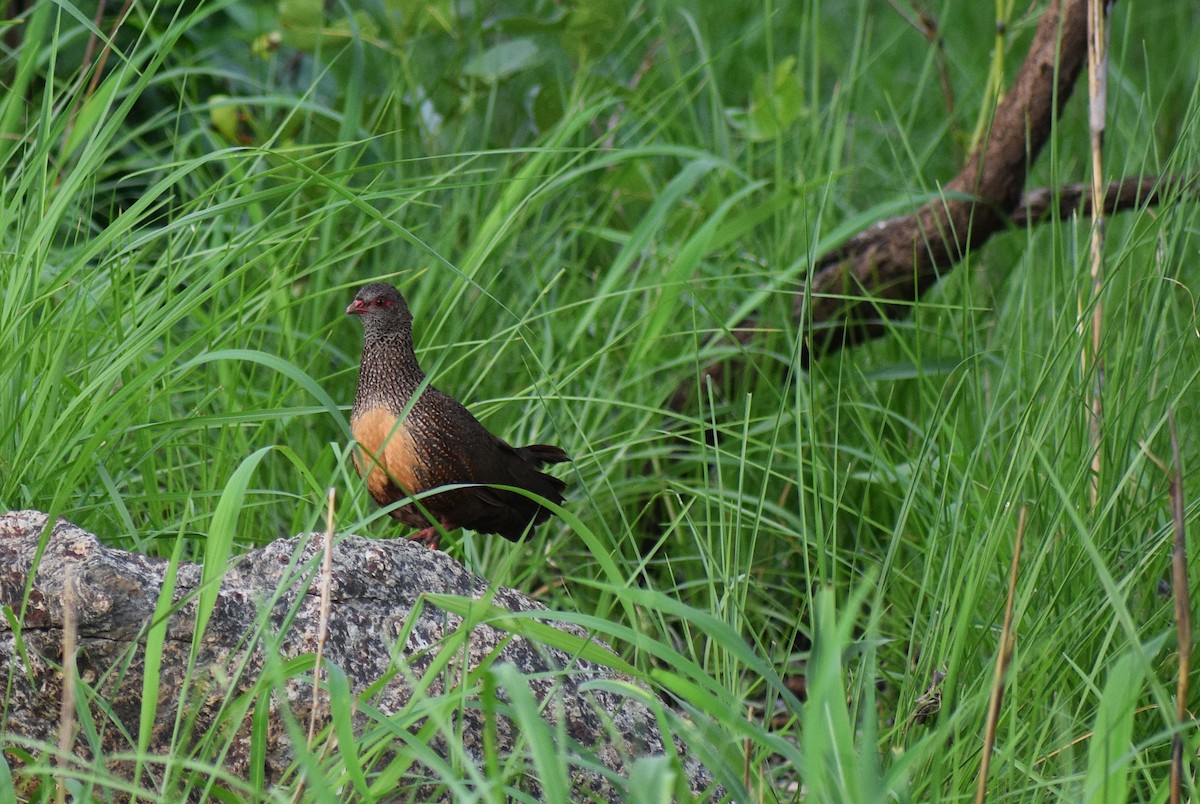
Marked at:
<point>546,751</point>
<point>652,779</point>
<point>1111,747</point>
<point>94,110</point>
<point>218,546</point>
<point>836,770</point>
<point>302,22</point>
<point>502,60</point>
<point>776,103</point>
<point>156,636</point>
<point>592,26</point>
<point>226,117</point>
<point>341,707</point>
<point>7,790</point>
<point>14,98</point>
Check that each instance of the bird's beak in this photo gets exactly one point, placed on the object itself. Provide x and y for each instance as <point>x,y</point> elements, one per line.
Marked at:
<point>357,307</point>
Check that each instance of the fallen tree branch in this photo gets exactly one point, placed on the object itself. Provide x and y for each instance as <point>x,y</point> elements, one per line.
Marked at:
<point>882,270</point>
<point>1037,206</point>
<point>1047,203</point>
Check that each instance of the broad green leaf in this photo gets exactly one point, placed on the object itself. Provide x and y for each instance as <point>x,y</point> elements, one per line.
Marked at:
<point>502,60</point>
<point>776,103</point>
<point>1111,748</point>
<point>302,22</point>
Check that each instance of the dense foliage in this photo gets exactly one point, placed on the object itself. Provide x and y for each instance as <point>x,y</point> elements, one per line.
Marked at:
<point>581,201</point>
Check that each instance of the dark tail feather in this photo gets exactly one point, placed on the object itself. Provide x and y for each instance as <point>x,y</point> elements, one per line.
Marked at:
<point>542,454</point>
<point>524,513</point>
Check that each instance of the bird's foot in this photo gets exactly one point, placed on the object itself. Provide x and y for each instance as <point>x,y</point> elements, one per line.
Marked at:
<point>427,536</point>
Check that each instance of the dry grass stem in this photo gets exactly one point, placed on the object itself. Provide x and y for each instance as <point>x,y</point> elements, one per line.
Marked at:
<point>1183,612</point>
<point>1097,66</point>
<point>323,621</point>
<point>1003,658</point>
<point>66,714</point>
<point>322,628</point>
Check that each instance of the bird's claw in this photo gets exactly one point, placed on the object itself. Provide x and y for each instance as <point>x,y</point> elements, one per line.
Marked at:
<point>426,536</point>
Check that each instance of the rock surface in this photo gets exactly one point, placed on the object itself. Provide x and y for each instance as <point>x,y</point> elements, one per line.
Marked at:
<point>267,608</point>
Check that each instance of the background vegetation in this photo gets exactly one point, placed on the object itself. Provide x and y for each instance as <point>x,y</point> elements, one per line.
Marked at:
<point>580,201</point>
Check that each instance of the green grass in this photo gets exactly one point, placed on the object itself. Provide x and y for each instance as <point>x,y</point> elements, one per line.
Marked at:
<point>575,235</point>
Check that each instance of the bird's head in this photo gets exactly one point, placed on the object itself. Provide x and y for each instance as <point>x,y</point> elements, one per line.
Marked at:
<point>382,309</point>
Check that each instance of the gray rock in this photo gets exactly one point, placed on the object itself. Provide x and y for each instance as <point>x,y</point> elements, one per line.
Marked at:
<point>267,607</point>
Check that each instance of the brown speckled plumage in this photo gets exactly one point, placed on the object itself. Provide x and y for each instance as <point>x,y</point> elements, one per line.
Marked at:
<point>413,438</point>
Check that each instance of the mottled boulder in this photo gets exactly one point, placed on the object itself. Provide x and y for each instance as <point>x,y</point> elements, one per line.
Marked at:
<point>265,615</point>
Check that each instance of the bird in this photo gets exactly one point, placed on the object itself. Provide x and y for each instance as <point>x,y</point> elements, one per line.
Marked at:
<point>412,438</point>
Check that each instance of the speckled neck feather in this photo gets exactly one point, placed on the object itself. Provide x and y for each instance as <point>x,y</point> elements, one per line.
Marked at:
<point>388,374</point>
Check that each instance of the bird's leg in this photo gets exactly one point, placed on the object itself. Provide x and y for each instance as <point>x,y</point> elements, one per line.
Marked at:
<point>426,536</point>
<point>429,536</point>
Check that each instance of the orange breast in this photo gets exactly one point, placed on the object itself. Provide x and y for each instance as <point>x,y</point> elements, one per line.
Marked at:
<point>389,457</point>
